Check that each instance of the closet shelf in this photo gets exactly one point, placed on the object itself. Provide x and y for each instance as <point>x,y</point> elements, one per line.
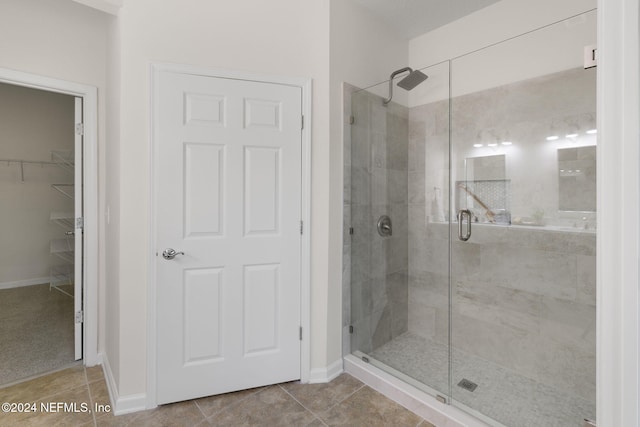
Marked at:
<point>65,220</point>
<point>64,159</point>
<point>63,249</point>
<point>66,189</point>
<point>62,279</point>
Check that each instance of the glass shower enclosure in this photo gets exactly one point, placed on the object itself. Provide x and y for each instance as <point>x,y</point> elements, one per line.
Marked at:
<point>470,229</point>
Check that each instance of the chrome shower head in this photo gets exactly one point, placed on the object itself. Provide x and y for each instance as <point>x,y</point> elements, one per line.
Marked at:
<point>408,83</point>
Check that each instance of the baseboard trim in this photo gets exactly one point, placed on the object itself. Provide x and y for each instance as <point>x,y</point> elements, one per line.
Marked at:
<point>26,282</point>
<point>324,375</point>
<point>121,404</point>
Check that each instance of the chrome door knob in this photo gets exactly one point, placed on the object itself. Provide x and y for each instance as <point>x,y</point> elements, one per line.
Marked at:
<point>170,253</point>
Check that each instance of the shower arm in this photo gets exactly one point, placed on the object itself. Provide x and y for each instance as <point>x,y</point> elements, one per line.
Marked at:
<point>393,75</point>
<point>489,213</point>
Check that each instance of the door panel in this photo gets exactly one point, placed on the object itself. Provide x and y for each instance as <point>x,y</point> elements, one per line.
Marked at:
<point>228,156</point>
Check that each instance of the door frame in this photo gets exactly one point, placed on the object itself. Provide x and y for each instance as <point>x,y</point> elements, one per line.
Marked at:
<point>304,84</point>
<point>89,95</point>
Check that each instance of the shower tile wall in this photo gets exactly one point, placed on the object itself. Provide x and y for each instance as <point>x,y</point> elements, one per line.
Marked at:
<point>375,287</point>
<point>523,297</point>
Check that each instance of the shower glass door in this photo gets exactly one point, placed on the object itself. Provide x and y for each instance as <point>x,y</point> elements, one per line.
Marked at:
<point>397,289</point>
<point>523,315</point>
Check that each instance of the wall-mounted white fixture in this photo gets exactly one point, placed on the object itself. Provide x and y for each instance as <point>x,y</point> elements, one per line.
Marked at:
<point>592,131</point>
<point>507,143</point>
<point>477,145</point>
<point>552,138</point>
<point>492,144</point>
<point>571,135</point>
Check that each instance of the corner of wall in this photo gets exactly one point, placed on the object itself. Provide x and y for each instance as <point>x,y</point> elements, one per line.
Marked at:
<point>326,374</point>
<point>121,404</point>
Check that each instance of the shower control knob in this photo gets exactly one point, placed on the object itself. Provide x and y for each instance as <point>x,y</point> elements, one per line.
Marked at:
<point>384,226</point>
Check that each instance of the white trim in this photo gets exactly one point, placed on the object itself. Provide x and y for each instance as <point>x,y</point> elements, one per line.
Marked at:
<point>415,400</point>
<point>618,205</point>
<point>89,94</point>
<point>305,84</point>
<point>121,405</point>
<point>305,256</point>
<point>325,375</point>
<point>25,282</point>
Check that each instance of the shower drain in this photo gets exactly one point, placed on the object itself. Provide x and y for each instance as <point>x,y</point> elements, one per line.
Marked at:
<point>467,385</point>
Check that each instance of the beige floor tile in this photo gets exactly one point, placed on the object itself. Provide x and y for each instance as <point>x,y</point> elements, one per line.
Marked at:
<point>110,420</point>
<point>99,392</point>
<point>76,415</point>
<point>214,404</point>
<point>269,407</point>
<point>344,401</point>
<point>43,387</point>
<point>369,408</point>
<point>316,423</point>
<point>182,414</point>
<point>94,373</point>
<point>426,423</point>
<point>320,397</point>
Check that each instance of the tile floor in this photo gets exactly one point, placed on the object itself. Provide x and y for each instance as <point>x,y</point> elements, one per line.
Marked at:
<point>343,402</point>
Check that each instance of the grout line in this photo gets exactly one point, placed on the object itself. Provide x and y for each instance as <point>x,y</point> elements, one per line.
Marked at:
<point>256,391</point>
<point>318,417</point>
<point>93,413</point>
<point>348,396</point>
<point>200,409</point>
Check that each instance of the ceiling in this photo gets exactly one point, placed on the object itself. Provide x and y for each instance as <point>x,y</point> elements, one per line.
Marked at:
<point>412,18</point>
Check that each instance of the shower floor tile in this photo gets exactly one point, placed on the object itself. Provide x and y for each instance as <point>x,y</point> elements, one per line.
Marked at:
<point>502,395</point>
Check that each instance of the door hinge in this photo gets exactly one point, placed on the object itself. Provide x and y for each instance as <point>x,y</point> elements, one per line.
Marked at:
<point>351,231</point>
<point>301,227</point>
<point>352,120</point>
<point>350,329</point>
<point>302,123</point>
<point>79,128</point>
<point>80,223</point>
<point>300,333</point>
<point>80,316</point>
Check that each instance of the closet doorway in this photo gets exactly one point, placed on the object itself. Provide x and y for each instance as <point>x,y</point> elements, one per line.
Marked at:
<point>41,260</point>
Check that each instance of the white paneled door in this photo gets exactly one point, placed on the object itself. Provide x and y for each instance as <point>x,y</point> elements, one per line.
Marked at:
<point>228,211</point>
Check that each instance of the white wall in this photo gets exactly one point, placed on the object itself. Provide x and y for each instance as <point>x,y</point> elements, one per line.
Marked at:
<point>494,24</point>
<point>112,200</point>
<point>287,37</point>
<point>67,41</point>
<point>32,124</point>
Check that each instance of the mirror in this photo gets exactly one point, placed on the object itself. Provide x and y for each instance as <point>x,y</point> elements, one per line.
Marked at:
<point>577,179</point>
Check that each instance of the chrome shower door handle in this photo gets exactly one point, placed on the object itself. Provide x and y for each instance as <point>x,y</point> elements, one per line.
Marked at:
<point>461,215</point>
<point>170,253</point>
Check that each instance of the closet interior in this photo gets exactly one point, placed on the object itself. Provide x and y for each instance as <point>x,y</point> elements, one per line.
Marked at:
<point>37,224</point>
